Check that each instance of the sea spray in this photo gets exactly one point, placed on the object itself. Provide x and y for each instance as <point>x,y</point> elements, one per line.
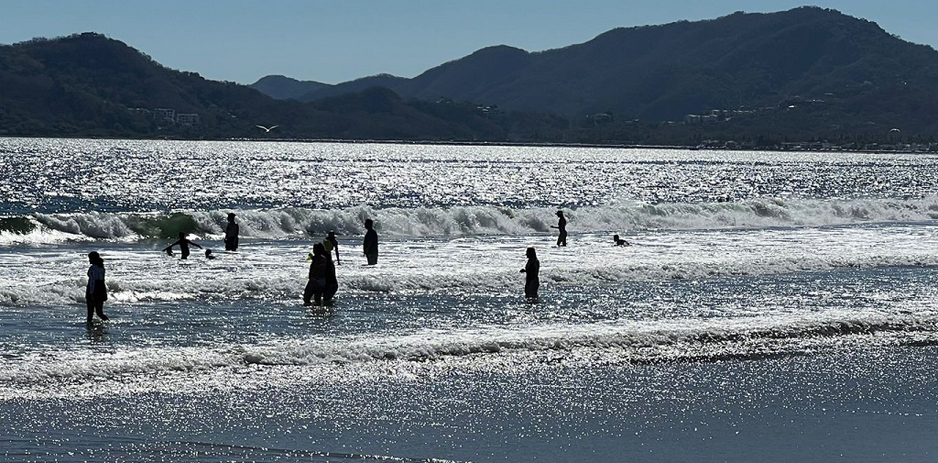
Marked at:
<point>301,223</point>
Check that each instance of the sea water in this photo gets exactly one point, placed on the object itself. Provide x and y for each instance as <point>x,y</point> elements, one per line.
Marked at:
<point>771,306</point>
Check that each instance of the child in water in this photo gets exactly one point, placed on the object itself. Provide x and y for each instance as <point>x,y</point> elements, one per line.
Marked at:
<point>620,242</point>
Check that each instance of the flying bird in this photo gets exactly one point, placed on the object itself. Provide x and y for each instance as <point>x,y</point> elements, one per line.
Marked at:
<point>267,130</point>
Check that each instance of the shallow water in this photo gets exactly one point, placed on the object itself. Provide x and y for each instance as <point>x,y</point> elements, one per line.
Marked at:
<point>849,404</point>
<point>772,306</point>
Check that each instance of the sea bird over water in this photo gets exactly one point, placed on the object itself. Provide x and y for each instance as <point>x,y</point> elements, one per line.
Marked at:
<point>267,130</point>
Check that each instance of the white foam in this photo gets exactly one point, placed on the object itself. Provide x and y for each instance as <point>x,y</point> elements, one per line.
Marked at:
<point>622,340</point>
<point>294,223</point>
<point>489,265</point>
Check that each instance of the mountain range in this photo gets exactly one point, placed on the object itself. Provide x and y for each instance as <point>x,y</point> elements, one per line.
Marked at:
<point>804,74</point>
<point>90,85</point>
<point>858,70</point>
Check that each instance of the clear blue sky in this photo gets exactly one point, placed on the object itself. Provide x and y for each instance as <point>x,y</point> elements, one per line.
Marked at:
<point>337,40</point>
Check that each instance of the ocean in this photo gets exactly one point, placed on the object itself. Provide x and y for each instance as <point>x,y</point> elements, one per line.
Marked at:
<point>772,307</point>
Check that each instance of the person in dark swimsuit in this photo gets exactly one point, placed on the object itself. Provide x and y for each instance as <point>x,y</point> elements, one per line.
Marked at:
<point>183,244</point>
<point>562,226</point>
<point>231,234</point>
<point>318,270</point>
<point>531,269</point>
<point>332,244</point>
<point>332,281</point>
<point>96,292</point>
<point>370,244</point>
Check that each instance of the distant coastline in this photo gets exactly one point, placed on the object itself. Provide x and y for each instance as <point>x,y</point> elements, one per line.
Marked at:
<point>807,79</point>
<point>806,147</point>
<point>929,148</point>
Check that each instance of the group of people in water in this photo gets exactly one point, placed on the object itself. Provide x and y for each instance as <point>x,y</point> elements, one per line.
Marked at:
<point>320,288</point>
<point>323,283</point>
<point>531,269</point>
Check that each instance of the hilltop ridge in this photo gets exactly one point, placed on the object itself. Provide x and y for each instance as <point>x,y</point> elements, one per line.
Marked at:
<point>804,77</point>
<point>668,71</point>
<point>90,85</point>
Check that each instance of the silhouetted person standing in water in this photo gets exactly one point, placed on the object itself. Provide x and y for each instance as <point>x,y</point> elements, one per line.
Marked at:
<point>332,281</point>
<point>183,243</point>
<point>620,241</point>
<point>371,243</point>
<point>562,226</point>
<point>318,270</point>
<point>96,292</point>
<point>531,269</point>
<point>331,243</point>
<point>231,234</point>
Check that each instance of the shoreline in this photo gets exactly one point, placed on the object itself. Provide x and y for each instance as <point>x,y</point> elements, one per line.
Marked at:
<point>624,146</point>
<point>774,410</point>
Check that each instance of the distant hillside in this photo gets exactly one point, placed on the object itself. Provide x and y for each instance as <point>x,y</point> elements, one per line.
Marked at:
<point>857,71</point>
<point>808,77</point>
<point>285,88</point>
<point>90,85</point>
<point>381,80</point>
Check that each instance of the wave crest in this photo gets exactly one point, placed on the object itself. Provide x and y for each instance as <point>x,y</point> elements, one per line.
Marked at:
<point>286,223</point>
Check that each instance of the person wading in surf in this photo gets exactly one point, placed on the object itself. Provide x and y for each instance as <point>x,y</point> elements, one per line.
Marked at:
<point>231,234</point>
<point>318,273</point>
<point>370,244</point>
<point>531,269</point>
<point>332,244</point>
<point>562,226</point>
<point>96,292</point>
<point>183,243</point>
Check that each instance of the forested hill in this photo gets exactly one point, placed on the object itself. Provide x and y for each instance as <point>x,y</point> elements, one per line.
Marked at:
<point>666,72</point>
<point>744,80</point>
<point>284,88</point>
<point>90,85</point>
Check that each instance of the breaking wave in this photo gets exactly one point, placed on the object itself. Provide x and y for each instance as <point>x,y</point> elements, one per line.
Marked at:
<point>286,223</point>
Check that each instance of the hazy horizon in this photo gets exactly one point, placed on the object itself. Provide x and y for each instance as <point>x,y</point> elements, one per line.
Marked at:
<point>333,41</point>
